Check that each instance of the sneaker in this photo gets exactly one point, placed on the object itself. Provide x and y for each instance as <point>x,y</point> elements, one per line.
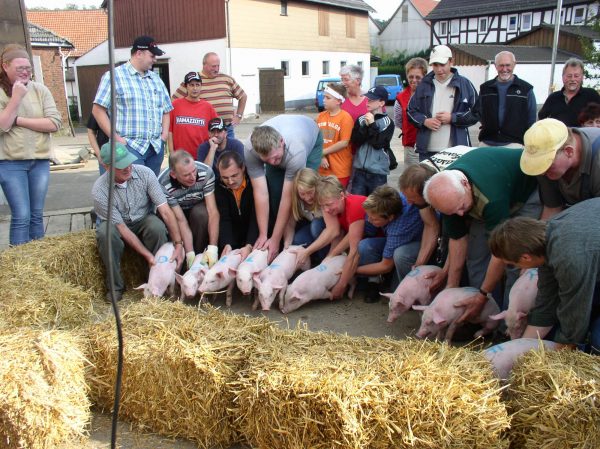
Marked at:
<point>372,293</point>
<point>118,296</point>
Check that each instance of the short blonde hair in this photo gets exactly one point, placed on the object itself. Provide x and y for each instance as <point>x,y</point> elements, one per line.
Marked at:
<point>264,138</point>
<point>328,187</point>
<point>416,63</point>
<point>306,178</point>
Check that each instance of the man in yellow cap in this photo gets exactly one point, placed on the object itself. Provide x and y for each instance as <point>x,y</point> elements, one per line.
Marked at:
<point>565,161</point>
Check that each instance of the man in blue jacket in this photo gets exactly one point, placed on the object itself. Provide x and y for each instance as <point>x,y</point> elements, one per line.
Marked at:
<point>442,106</point>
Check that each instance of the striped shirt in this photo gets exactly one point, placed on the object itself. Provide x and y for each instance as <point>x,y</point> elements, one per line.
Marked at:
<point>219,92</point>
<point>188,197</point>
<point>142,100</point>
<point>133,200</point>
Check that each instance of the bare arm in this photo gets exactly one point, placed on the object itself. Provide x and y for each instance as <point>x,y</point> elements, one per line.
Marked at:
<point>457,255</point>
<point>284,212</point>
<point>172,227</point>
<point>240,109</point>
<point>170,144</point>
<point>101,116</point>
<point>261,204</point>
<point>184,229</point>
<point>135,243</point>
<point>431,232</point>
<point>290,229</point>
<point>213,219</point>
<point>166,122</point>
<point>212,150</point>
<point>549,212</point>
<point>536,331</point>
<point>355,233</point>
<point>373,269</point>
<point>338,146</point>
<point>42,124</point>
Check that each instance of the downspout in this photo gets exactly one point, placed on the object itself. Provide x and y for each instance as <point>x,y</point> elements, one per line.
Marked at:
<point>63,65</point>
<point>555,45</point>
<point>227,30</point>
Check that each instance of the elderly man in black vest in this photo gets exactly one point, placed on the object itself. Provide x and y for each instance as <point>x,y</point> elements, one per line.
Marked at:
<point>506,106</point>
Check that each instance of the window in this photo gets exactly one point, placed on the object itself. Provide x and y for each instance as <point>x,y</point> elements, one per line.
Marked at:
<point>443,28</point>
<point>578,16</point>
<point>323,22</point>
<point>526,21</point>
<point>350,26</point>
<point>285,66</point>
<point>342,64</point>
<point>483,25</point>
<point>325,67</point>
<point>512,22</point>
<point>404,13</point>
<point>360,64</point>
<point>305,68</point>
<point>454,27</point>
<point>284,7</point>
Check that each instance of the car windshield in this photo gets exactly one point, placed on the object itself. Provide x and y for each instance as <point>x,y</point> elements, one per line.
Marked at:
<point>386,82</point>
<point>321,85</point>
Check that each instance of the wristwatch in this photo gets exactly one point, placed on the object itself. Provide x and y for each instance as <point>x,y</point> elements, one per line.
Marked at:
<point>239,115</point>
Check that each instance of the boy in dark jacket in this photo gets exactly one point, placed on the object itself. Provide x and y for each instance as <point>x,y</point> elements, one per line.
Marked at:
<point>371,136</point>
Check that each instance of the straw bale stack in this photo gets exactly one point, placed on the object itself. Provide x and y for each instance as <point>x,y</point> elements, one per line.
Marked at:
<point>43,394</point>
<point>555,400</point>
<point>308,390</point>
<point>58,282</point>
<point>178,363</point>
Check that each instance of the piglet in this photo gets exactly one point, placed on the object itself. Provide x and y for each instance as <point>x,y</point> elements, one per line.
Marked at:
<point>192,278</point>
<point>414,289</point>
<point>256,261</point>
<point>314,284</point>
<point>521,300</point>
<point>221,275</point>
<point>439,318</point>
<point>273,280</point>
<point>503,356</point>
<point>162,273</point>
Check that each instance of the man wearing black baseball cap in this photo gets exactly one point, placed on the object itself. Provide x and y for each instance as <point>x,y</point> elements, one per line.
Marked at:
<point>218,143</point>
<point>189,118</point>
<point>142,119</point>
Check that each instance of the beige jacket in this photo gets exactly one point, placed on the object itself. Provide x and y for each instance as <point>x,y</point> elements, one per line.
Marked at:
<point>18,143</point>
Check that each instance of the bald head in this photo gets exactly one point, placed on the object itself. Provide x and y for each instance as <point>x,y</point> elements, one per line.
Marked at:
<point>449,192</point>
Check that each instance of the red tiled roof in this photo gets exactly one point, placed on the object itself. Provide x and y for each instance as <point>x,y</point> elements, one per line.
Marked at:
<point>425,6</point>
<point>85,29</point>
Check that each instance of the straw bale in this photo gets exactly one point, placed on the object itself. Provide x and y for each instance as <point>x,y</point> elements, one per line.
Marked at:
<point>178,363</point>
<point>58,282</point>
<point>555,400</point>
<point>316,390</point>
<point>43,394</point>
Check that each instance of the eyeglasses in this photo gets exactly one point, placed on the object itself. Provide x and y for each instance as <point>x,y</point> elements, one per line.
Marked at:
<point>24,69</point>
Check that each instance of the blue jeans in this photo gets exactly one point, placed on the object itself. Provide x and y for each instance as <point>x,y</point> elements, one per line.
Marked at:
<point>150,158</point>
<point>230,131</point>
<point>405,257</point>
<point>25,185</point>
<point>370,250</point>
<point>306,233</point>
<point>363,182</point>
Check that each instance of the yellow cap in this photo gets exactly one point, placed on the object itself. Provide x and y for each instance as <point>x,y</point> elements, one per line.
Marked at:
<point>542,141</point>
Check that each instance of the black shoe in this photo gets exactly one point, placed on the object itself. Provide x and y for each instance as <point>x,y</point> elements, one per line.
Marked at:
<point>372,293</point>
<point>118,296</point>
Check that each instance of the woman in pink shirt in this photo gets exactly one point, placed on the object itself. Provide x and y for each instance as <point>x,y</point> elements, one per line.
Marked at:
<point>356,103</point>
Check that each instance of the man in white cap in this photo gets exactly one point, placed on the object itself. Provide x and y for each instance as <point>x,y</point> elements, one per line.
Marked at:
<point>442,106</point>
<point>565,161</point>
<point>136,193</point>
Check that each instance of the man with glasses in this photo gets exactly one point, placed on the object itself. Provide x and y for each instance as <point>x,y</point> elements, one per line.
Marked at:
<point>566,104</point>
<point>143,105</point>
<point>235,200</point>
<point>217,144</point>
<point>506,106</point>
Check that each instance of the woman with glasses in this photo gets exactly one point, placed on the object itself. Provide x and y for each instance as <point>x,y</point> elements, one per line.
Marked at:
<point>28,115</point>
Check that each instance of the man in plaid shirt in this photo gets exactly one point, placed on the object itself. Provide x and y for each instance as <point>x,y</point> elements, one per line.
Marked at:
<point>143,105</point>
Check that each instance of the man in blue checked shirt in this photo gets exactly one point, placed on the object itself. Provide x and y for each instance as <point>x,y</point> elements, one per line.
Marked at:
<point>143,105</point>
<point>391,226</point>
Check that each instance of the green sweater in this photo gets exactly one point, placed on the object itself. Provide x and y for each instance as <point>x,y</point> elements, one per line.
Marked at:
<point>500,188</point>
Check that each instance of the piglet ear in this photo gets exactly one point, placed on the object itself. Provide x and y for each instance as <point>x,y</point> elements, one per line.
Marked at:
<point>256,280</point>
<point>179,278</point>
<point>520,315</point>
<point>420,308</point>
<point>387,295</point>
<point>141,287</point>
<point>438,319</point>
<point>233,271</point>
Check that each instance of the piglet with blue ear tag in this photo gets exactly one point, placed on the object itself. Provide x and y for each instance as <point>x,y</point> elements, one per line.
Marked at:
<point>162,273</point>
<point>314,284</point>
<point>192,278</point>
<point>221,275</point>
